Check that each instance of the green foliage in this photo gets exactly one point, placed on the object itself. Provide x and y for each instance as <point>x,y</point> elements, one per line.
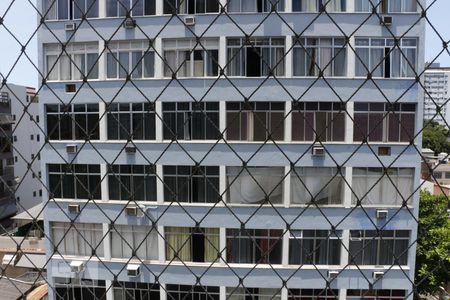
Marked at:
<point>433,244</point>
<point>436,137</point>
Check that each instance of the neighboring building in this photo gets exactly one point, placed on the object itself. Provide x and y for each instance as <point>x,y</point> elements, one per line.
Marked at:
<point>154,219</point>
<point>437,86</point>
<point>7,181</point>
<point>27,143</point>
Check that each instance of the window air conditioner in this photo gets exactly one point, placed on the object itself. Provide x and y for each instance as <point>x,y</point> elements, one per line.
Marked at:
<point>133,270</point>
<point>189,21</point>
<point>382,213</point>
<point>71,149</point>
<point>129,23</point>
<point>76,266</point>
<point>318,151</point>
<point>74,208</point>
<point>70,26</point>
<point>130,150</point>
<point>377,275</point>
<point>386,20</point>
<point>333,274</point>
<point>133,211</point>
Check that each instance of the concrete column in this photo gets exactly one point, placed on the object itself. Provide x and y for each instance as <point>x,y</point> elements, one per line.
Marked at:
<point>161,245</point>
<point>347,190</point>
<point>158,121</point>
<point>223,183</point>
<point>159,185</point>
<point>109,290</point>
<point>288,6</point>
<point>351,57</point>
<point>288,122</point>
<point>159,7</point>
<point>285,250</point>
<point>345,242</point>
<point>102,8</point>
<point>222,50</point>
<point>222,117</point>
<point>159,64</point>
<point>222,243</point>
<point>106,242</point>
<point>103,126</point>
<point>101,60</point>
<point>288,57</point>
<point>104,183</point>
<point>287,186</point>
<point>349,126</point>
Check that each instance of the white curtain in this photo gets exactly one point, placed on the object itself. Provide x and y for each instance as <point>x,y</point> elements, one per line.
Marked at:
<point>92,65</point>
<point>299,62</point>
<point>249,6</point>
<point>64,64</point>
<point>319,183</point>
<point>51,60</point>
<point>79,67</point>
<point>377,59</point>
<point>309,5</point>
<point>111,65</point>
<point>121,241</point>
<point>334,5</point>
<point>170,64</point>
<point>395,5</point>
<point>409,59</point>
<point>252,189</point>
<point>49,8</point>
<point>149,62</point>
<point>396,68</point>
<point>146,245</point>
<point>409,5</point>
<point>136,64</point>
<point>362,61</point>
<point>325,56</point>
<point>124,64</point>
<point>365,180</point>
<point>340,62</point>
<point>235,62</point>
<point>234,6</point>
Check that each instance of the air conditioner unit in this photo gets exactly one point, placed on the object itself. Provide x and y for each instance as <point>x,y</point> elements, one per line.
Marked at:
<point>35,233</point>
<point>130,150</point>
<point>377,275</point>
<point>71,149</point>
<point>382,213</point>
<point>386,20</point>
<point>333,274</point>
<point>133,270</point>
<point>318,151</point>
<point>74,208</point>
<point>129,23</point>
<point>189,21</point>
<point>133,211</point>
<point>70,26</point>
<point>76,266</point>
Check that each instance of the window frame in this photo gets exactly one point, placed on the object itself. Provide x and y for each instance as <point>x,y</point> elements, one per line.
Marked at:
<point>127,111</point>
<point>121,290</point>
<point>265,7</point>
<point>123,11</point>
<point>52,9</point>
<point>119,174</point>
<point>319,4</point>
<point>121,233</point>
<point>78,239</point>
<point>384,6</point>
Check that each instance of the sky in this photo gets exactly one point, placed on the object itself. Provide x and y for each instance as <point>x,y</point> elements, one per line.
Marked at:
<point>21,20</point>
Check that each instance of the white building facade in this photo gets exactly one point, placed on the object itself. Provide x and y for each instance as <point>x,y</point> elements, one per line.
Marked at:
<point>437,85</point>
<point>195,160</point>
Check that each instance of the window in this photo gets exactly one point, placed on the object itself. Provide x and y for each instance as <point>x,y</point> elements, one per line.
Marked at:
<point>74,181</point>
<point>309,294</point>
<point>321,184</point>
<point>246,6</point>
<point>188,292</point>
<point>74,63</point>
<point>255,121</point>
<point>79,239</point>
<point>386,6</point>
<point>136,241</point>
<point>120,8</point>
<point>375,186</point>
<point>318,247</point>
<point>5,145</point>
<point>72,122</point>
<point>69,9</point>
<point>80,289</point>
<point>254,246</point>
<point>191,6</point>
<point>316,5</point>
<point>191,184</point>
<point>381,58</point>
<point>383,122</point>
<point>255,185</point>
<point>135,58</point>
<point>255,57</point>
<point>369,248</point>
<point>188,58</point>
<point>191,121</point>
<point>234,293</point>
<point>192,244</point>
<point>376,294</point>
<point>132,182</point>
<point>124,290</point>
<point>131,120</point>
<point>318,121</point>
<point>312,55</point>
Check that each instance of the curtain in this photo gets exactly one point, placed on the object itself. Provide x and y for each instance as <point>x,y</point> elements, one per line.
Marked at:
<point>124,7</point>
<point>312,61</point>
<point>52,69</point>
<point>395,5</point>
<point>309,5</point>
<point>325,63</point>
<point>92,65</point>
<point>124,64</point>
<point>252,185</point>
<point>408,58</point>
<point>92,8</point>
<point>149,62</point>
<point>49,8</point>
<point>111,65</point>
<point>377,60</point>
<point>183,63</point>
<point>146,245</point>
<point>212,57</point>
<point>234,6</point>
<point>362,61</point>
<point>63,9</point>
<point>199,62</point>
<point>299,61</point>
<point>278,61</point>
<point>79,66</point>
<point>315,184</point>
<point>138,7</point>
<point>178,239</point>
<point>249,6</point>
<point>235,62</point>
<point>111,8</point>
<point>64,64</point>
<point>211,244</point>
<point>170,64</point>
<point>79,8</point>
<point>340,61</point>
<point>409,5</point>
<point>405,185</point>
<point>334,5</point>
<point>136,63</point>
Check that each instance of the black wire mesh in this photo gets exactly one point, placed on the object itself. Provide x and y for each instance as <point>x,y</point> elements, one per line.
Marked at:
<point>214,149</point>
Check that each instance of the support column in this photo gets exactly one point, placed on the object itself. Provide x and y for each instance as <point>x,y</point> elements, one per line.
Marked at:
<point>287,186</point>
<point>106,242</point>
<point>223,183</point>
<point>161,245</point>
<point>222,244</point>
<point>349,126</point>
<point>348,171</point>
<point>104,183</point>
<point>109,290</point>
<point>159,185</point>
<point>351,57</point>
<point>159,64</point>
<point>158,121</point>
<point>288,57</point>
<point>103,126</point>
<point>223,117</point>
<point>102,8</point>
<point>101,60</point>
<point>222,49</point>
<point>288,122</point>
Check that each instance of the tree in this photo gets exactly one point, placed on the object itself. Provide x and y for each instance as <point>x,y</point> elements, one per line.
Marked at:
<point>436,137</point>
<point>433,244</point>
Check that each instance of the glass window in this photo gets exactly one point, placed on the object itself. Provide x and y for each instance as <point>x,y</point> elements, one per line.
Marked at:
<point>132,182</point>
<point>135,58</point>
<point>192,244</point>
<point>254,246</point>
<point>120,8</point>
<point>191,184</point>
<point>382,58</point>
<point>191,6</point>
<point>133,241</point>
<point>255,57</point>
<point>323,185</point>
<point>236,293</point>
<point>255,121</point>
<point>127,290</point>
<point>188,58</point>
<point>69,9</point>
<point>190,292</point>
<point>79,239</point>
<point>76,61</point>
<point>309,294</point>
<point>191,121</point>
<point>131,121</point>
<point>246,6</point>
<point>376,294</point>
<point>79,288</point>
<point>318,247</point>
<point>255,185</point>
<point>389,247</point>
<point>383,122</point>
<point>74,181</point>
<point>72,122</point>
<point>324,121</point>
<point>386,6</point>
<point>375,186</point>
<point>315,5</point>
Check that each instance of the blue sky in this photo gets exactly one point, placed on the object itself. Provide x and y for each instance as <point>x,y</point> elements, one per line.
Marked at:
<point>21,20</point>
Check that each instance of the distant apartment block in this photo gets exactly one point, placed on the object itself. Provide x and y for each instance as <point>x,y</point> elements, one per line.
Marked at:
<point>437,96</point>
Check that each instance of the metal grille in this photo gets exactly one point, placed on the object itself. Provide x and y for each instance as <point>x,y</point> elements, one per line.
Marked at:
<point>221,149</point>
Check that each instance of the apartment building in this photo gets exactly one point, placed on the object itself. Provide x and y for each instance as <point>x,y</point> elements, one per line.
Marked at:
<point>231,149</point>
<point>437,85</point>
